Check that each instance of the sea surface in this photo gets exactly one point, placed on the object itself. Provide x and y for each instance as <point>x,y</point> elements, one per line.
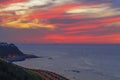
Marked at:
<point>75,61</point>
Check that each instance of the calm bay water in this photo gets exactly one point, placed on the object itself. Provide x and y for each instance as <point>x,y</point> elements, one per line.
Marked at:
<point>75,61</point>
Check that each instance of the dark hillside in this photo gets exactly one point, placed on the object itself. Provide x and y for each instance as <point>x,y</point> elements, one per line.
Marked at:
<point>9,71</point>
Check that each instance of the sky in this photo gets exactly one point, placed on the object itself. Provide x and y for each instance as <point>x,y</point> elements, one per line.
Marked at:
<point>60,21</point>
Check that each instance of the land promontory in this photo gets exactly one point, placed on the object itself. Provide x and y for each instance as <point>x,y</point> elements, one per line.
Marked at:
<point>10,52</point>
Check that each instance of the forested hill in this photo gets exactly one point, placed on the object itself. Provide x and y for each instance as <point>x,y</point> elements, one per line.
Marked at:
<point>9,71</point>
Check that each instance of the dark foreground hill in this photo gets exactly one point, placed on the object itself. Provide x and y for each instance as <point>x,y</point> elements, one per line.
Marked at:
<point>9,71</point>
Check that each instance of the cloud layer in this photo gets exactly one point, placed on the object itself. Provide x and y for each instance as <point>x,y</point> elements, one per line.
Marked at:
<point>60,21</point>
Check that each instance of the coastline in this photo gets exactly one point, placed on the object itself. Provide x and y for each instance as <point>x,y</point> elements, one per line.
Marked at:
<point>47,75</point>
<point>21,58</point>
<point>44,74</point>
<point>10,53</point>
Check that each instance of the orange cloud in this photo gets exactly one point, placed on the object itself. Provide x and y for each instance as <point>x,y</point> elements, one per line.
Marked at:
<point>26,24</point>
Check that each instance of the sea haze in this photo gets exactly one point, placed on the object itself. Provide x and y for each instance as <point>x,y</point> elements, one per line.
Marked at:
<point>75,61</point>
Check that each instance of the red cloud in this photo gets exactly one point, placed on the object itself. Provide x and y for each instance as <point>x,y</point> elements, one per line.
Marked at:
<point>109,20</point>
<point>83,26</point>
<point>112,38</point>
<point>83,39</point>
<point>54,12</point>
<point>58,12</point>
<point>11,1</point>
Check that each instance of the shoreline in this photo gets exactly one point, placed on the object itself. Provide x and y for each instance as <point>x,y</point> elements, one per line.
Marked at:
<point>47,75</point>
<point>21,58</point>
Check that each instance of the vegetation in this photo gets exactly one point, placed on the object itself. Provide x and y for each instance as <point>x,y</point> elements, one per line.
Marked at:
<point>9,71</point>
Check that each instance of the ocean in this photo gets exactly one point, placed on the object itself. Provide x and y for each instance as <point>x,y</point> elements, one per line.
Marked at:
<point>75,61</point>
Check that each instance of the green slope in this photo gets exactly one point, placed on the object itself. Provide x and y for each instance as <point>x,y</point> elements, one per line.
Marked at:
<point>9,71</point>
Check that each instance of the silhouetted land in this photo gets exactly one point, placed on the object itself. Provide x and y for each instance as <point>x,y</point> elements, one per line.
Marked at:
<point>11,53</point>
<point>8,71</point>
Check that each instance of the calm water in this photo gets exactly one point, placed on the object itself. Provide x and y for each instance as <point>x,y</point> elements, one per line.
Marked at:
<point>76,62</point>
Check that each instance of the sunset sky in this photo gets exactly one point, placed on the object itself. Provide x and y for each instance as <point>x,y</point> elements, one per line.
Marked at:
<point>60,21</point>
